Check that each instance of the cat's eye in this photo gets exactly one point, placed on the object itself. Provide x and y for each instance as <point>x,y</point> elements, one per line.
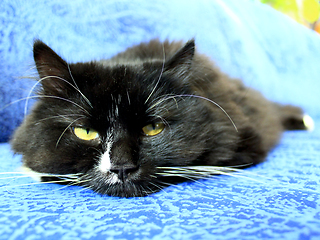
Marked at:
<point>153,129</point>
<point>86,134</point>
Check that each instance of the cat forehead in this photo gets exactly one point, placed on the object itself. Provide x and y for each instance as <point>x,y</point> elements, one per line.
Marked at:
<point>123,81</point>
<point>117,77</point>
<point>128,86</point>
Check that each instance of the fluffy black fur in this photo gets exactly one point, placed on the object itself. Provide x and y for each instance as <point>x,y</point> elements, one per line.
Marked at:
<point>210,119</point>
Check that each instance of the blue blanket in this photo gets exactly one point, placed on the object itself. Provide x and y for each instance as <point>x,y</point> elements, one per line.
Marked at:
<point>278,199</point>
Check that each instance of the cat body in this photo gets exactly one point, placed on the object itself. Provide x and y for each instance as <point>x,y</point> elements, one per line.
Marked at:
<point>130,125</point>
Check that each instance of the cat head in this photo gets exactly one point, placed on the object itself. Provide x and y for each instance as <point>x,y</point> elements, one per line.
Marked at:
<point>114,126</point>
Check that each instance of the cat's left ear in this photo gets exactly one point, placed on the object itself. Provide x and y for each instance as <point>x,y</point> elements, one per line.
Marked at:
<point>52,69</point>
<point>181,61</point>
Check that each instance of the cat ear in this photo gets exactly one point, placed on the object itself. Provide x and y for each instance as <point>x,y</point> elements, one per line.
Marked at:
<point>182,59</point>
<point>52,69</point>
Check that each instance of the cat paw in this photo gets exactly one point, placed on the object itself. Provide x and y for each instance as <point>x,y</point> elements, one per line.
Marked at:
<point>308,123</point>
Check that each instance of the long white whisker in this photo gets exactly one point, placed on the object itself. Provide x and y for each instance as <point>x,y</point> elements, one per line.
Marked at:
<point>162,70</point>
<point>157,186</point>
<point>184,175</point>
<point>58,116</point>
<point>34,183</point>
<point>238,176</point>
<point>6,173</point>
<point>15,177</point>
<point>85,187</point>
<point>75,182</point>
<point>77,88</point>
<point>66,130</point>
<point>234,170</point>
<point>203,172</point>
<point>24,173</point>
<point>64,99</point>
<point>45,96</point>
<point>74,82</point>
<point>165,183</point>
<point>200,97</point>
<point>44,78</point>
<point>16,101</point>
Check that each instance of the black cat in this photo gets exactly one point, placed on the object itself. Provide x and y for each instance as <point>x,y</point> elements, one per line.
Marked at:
<point>151,116</point>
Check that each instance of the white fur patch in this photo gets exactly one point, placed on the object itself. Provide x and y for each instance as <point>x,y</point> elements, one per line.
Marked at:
<point>34,175</point>
<point>105,161</point>
<point>105,166</point>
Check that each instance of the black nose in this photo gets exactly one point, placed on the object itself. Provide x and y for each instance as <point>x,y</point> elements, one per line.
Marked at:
<point>123,172</point>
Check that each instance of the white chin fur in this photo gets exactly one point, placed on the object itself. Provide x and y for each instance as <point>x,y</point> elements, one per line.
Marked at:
<point>308,122</point>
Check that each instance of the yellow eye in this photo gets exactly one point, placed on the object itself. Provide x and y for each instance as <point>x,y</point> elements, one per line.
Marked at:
<point>86,134</point>
<point>153,128</point>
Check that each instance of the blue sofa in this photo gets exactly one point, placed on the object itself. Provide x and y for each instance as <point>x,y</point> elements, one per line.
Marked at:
<point>278,199</point>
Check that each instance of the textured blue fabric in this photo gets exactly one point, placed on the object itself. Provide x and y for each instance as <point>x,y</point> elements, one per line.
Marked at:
<point>277,199</point>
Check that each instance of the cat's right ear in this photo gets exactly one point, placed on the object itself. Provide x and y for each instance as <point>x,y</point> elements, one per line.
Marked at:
<point>182,59</point>
<point>180,63</point>
<point>52,69</point>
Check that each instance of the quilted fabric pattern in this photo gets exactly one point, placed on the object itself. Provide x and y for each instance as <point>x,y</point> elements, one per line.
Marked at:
<point>278,199</point>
